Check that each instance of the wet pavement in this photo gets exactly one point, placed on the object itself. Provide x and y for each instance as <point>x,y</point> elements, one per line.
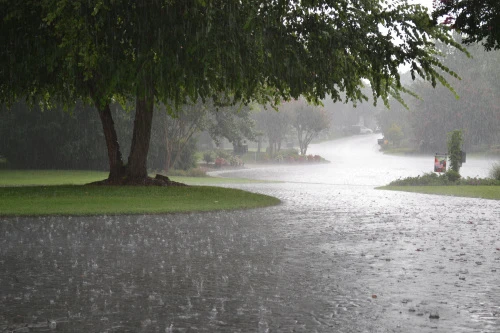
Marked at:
<point>335,256</point>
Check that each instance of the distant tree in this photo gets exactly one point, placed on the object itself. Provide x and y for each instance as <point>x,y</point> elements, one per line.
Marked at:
<point>172,134</point>
<point>208,157</point>
<point>275,125</point>
<point>179,131</point>
<point>455,149</point>
<point>307,120</point>
<point>476,20</point>
<point>173,51</point>
<point>233,123</point>
<point>477,111</point>
<point>394,134</point>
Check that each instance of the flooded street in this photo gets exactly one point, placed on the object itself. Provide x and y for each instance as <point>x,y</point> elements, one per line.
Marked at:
<point>335,256</point>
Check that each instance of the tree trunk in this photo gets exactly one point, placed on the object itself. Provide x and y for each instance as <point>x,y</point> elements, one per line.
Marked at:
<point>168,150</point>
<point>137,160</point>
<point>301,140</point>
<point>116,167</point>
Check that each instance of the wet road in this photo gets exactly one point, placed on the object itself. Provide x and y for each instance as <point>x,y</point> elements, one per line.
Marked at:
<point>335,256</point>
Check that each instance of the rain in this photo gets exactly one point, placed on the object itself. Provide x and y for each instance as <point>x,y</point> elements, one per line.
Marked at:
<point>338,254</point>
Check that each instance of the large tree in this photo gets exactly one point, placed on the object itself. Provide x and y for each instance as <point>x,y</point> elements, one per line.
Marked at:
<point>171,51</point>
<point>307,120</point>
<point>176,132</point>
<point>274,125</point>
<point>476,20</point>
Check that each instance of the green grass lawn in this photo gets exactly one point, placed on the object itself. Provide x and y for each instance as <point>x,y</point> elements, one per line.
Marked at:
<point>49,177</point>
<point>482,191</point>
<point>60,193</point>
<point>81,177</point>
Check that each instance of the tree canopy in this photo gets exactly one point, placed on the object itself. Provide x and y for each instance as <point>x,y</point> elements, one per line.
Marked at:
<point>477,112</point>
<point>477,20</point>
<point>229,50</point>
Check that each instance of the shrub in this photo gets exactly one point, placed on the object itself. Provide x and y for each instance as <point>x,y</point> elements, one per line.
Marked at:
<point>219,162</point>
<point>221,153</point>
<point>394,134</point>
<point>235,161</point>
<point>289,152</point>
<point>433,179</point>
<point>495,171</point>
<point>426,179</point>
<point>452,175</point>
<point>478,181</point>
<point>208,157</point>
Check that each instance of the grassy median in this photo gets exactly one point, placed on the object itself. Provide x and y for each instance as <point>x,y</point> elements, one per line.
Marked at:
<point>53,195</point>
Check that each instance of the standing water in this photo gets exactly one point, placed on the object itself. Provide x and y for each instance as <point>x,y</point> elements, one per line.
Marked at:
<point>335,256</point>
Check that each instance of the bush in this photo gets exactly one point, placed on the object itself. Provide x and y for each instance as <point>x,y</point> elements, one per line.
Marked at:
<point>479,181</point>
<point>220,162</point>
<point>221,153</point>
<point>208,157</point>
<point>452,175</point>
<point>235,161</point>
<point>394,134</point>
<point>426,179</point>
<point>495,171</point>
<point>449,178</point>
<point>289,152</point>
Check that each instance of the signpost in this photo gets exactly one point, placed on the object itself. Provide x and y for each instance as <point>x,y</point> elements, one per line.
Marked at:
<point>440,162</point>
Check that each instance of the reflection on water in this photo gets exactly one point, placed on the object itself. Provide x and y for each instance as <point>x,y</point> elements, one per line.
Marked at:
<point>336,256</point>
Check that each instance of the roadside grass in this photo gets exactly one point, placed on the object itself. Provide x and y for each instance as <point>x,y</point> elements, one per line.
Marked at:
<point>56,192</point>
<point>470,191</point>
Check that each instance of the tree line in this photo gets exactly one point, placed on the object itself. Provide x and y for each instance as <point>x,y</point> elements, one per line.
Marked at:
<point>176,52</point>
<point>475,109</point>
<point>55,139</point>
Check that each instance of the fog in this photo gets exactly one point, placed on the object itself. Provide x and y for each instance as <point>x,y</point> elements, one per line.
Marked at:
<point>357,160</point>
